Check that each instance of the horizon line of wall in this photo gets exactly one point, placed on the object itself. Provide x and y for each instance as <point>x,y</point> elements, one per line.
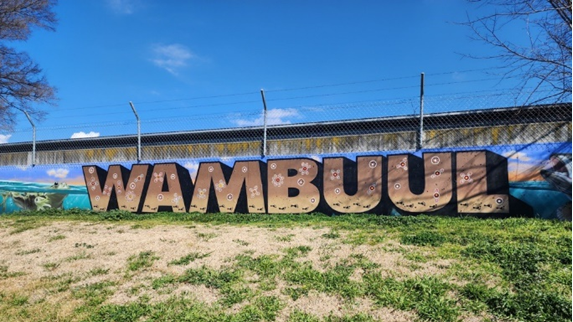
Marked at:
<point>525,125</point>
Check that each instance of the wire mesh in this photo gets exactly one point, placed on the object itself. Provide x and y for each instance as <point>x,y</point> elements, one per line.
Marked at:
<point>209,131</point>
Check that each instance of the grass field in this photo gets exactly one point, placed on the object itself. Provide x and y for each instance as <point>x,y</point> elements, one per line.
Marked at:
<point>117,266</point>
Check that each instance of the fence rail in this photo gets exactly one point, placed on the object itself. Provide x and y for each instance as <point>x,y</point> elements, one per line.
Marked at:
<point>367,127</point>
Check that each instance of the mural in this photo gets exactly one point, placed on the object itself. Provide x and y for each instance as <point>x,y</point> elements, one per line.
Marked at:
<point>529,180</point>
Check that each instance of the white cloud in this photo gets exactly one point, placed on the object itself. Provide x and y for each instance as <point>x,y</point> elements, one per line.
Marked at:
<point>81,134</point>
<point>172,57</point>
<point>4,138</point>
<point>274,116</point>
<point>124,7</point>
<point>58,173</point>
<point>316,158</point>
<point>192,167</point>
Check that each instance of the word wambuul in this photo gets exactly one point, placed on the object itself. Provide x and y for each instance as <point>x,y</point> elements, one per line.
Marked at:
<point>471,182</point>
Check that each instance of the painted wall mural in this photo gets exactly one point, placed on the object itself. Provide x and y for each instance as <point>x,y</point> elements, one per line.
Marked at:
<point>529,180</point>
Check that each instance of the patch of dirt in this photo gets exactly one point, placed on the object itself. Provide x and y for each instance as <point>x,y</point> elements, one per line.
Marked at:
<point>89,253</point>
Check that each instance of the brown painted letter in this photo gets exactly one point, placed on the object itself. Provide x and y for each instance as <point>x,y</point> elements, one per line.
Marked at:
<point>472,184</point>
<point>127,194</point>
<point>166,188</point>
<point>290,188</point>
<point>368,184</point>
<point>436,182</point>
<point>227,193</point>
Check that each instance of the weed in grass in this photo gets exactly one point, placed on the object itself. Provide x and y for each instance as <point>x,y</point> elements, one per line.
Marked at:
<point>98,271</point>
<point>520,263</point>
<point>267,284</point>
<point>185,260</point>
<point>57,237</point>
<point>180,309</point>
<point>122,313</point>
<point>206,236</point>
<point>19,300</point>
<point>51,266</point>
<point>333,281</point>
<point>416,257</point>
<point>142,260</point>
<point>117,215</point>
<point>300,316</point>
<point>235,295</point>
<point>84,245</point>
<point>298,251</point>
<point>79,256</point>
<point>63,282</point>
<point>264,308</point>
<point>424,238</point>
<point>270,305</point>
<point>241,242</point>
<point>408,222</point>
<point>331,235</point>
<point>136,289</point>
<point>295,292</point>
<point>349,318</point>
<point>360,261</point>
<point>27,252</point>
<point>527,306</point>
<point>426,295</point>
<point>163,281</point>
<point>210,277</point>
<point>22,225</point>
<point>94,294</point>
<point>4,274</point>
<point>412,266</point>
<point>227,280</point>
<point>265,266</point>
<point>287,238</point>
<point>140,226</point>
<point>363,237</point>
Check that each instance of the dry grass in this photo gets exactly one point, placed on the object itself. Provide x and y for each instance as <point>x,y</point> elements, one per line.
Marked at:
<point>69,270</point>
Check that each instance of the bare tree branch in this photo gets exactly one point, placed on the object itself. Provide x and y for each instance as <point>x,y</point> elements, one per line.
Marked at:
<point>22,85</point>
<point>543,55</point>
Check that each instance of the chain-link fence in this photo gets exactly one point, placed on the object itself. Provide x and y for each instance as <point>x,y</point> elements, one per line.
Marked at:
<point>254,129</point>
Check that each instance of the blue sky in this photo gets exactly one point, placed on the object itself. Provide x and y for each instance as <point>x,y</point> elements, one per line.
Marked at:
<point>201,64</point>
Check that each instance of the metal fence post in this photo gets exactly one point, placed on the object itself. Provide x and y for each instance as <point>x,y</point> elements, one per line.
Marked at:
<point>138,132</point>
<point>420,143</point>
<point>33,137</point>
<point>264,149</point>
